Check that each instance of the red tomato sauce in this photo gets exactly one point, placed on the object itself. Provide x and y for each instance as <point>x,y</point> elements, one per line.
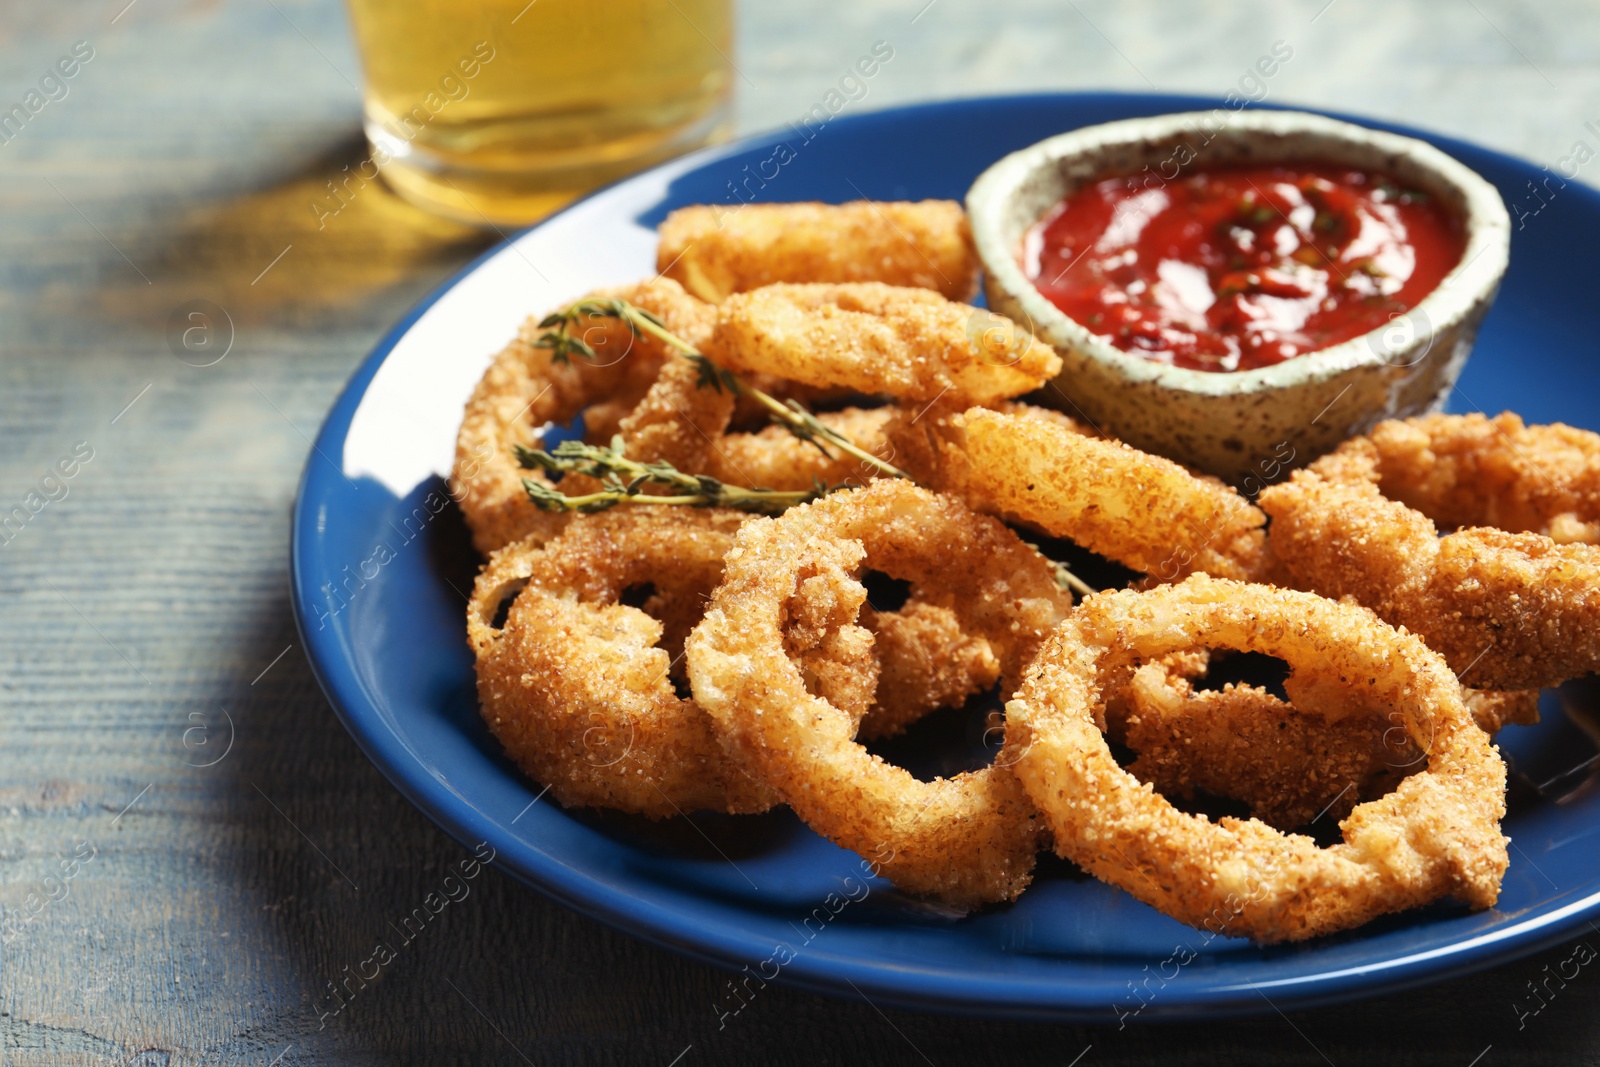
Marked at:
<point>1241,267</point>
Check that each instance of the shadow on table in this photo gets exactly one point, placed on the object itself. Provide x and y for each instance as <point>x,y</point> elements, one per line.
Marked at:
<point>319,239</point>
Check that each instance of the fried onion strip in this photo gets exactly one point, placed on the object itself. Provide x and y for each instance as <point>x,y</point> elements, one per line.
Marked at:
<point>1143,511</point>
<point>717,251</point>
<point>911,344</point>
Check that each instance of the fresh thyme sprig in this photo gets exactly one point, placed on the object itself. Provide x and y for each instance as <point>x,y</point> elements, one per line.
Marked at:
<point>624,481</point>
<point>1064,577</point>
<point>789,414</point>
<point>557,326</point>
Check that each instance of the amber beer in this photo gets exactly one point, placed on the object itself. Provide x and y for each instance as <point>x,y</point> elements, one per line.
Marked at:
<point>502,110</point>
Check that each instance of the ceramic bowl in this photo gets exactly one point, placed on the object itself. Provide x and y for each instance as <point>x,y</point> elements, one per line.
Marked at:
<point>1245,426</point>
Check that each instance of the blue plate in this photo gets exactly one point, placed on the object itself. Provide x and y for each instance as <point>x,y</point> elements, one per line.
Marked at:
<point>381,564</point>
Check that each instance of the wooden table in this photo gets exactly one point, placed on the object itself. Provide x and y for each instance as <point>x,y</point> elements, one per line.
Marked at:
<point>209,907</point>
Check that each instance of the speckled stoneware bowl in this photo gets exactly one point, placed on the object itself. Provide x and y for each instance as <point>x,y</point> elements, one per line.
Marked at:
<point>1242,425</point>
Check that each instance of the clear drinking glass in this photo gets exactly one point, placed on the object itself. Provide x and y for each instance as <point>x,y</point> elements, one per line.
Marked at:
<point>502,110</point>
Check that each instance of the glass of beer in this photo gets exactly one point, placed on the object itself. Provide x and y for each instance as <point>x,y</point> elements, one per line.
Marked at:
<point>500,111</point>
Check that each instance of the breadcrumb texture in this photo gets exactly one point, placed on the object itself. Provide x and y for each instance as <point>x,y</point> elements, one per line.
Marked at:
<point>1437,834</point>
<point>774,458</point>
<point>1289,763</point>
<point>791,586</point>
<point>911,344</point>
<point>1471,470</point>
<point>1509,609</point>
<point>577,686</point>
<point>1143,511</point>
<point>716,251</point>
<point>928,661</point>
<point>580,687</point>
<point>1293,764</point>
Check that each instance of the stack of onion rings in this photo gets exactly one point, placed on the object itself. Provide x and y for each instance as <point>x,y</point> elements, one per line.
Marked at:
<point>577,686</point>
<point>789,584</point>
<point>790,668</point>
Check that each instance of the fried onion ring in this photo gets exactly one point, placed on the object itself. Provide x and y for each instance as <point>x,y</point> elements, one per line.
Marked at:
<point>911,344</point>
<point>577,685</point>
<point>1437,834</point>
<point>927,661</point>
<point>525,389</point>
<point>684,422</point>
<point>1470,470</point>
<point>1495,709</point>
<point>717,251</point>
<point>679,421</point>
<point>1290,765</point>
<point>1288,762</point>
<point>774,458</point>
<point>789,583</point>
<point>1508,610</point>
<point>1143,511</point>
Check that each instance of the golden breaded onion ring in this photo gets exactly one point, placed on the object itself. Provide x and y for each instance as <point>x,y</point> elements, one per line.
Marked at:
<point>1436,835</point>
<point>1470,470</point>
<point>716,251</point>
<point>911,344</point>
<point>927,660</point>
<point>1143,511</point>
<point>526,389</point>
<point>790,585</point>
<point>774,458</point>
<point>577,685</point>
<point>1508,610</point>
<point>1290,763</point>
<point>684,422</point>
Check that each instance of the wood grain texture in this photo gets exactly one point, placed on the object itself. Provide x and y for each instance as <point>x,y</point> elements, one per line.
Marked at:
<point>221,901</point>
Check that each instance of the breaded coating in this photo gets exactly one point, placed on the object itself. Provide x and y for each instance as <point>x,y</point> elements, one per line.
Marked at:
<point>684,422</point>
<point>679,421</point>
<point>929,661</point>
<point>1289,761</point>
<point>965,840</point>
<point>1470,470</point>
<point>577,685</point>
<point>525,391</point>
<point>1243,743</point>
<point>1495,709</point>
<point>1507,610</point>
<point>774,458</point>
<point>1145,512</point>
<point>716,251</point>
<point>1437,834</point>
<point>925,441</point>
<point>911,344</point>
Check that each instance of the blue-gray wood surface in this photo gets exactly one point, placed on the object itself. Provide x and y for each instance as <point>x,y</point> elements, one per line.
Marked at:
<point>208,908</point>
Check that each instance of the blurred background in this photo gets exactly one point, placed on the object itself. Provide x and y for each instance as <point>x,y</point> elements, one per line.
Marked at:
<point>190,163</point>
